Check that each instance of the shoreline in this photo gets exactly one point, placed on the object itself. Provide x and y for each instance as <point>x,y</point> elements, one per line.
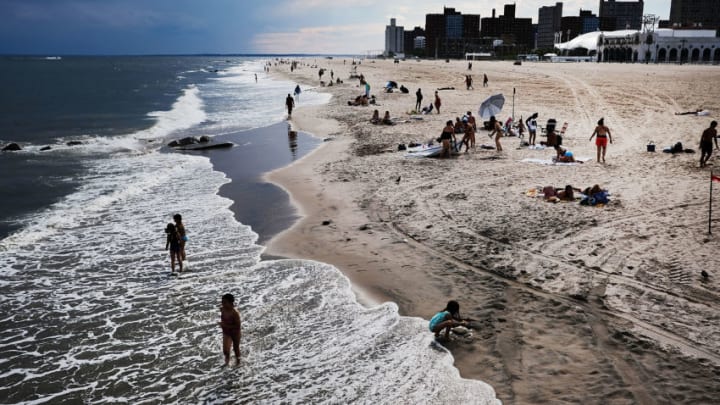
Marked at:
<point>594,302</point>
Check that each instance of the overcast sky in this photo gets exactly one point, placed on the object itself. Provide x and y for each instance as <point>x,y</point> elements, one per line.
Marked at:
<point>232,26</point>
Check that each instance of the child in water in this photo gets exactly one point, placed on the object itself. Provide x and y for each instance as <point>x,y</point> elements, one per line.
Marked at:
<point>446,319</point>
<point>173,244</point>
<point>230,324</point>
<point>181,232</point>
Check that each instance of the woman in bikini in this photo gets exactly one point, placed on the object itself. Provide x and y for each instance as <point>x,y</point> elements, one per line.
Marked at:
<point>497,131</point>
<point>448,134</point>
<point>230,325</point>
<point>603,135</point>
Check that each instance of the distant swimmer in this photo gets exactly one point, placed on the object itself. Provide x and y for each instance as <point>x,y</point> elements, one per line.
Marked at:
<point>172,243</point>
<point>446,319</point>
<point>231,327</point>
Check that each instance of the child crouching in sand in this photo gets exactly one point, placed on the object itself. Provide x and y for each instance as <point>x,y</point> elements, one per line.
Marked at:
<point>230,325</point>
<point>446,319</point>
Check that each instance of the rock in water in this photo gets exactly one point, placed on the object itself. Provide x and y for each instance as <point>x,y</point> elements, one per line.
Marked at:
<point>44,148</point>
<point>73,143</point>
<point>11,147</point>
<point>184,141</point>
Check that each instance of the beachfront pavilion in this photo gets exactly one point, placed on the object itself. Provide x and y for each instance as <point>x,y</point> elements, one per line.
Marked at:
<point>659,46</point>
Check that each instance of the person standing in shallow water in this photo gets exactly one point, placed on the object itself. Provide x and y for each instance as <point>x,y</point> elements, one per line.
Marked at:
<point>603,135</point>
<point>181,232</point>
<point>289,103</point>
<point>231,327</point>
<point>172,243</point>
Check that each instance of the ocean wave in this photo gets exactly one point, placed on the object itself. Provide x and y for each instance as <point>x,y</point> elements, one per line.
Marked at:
<point>186,112</point>
<point>102,320</point>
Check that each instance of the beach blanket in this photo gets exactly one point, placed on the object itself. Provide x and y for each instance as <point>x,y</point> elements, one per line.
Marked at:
<point>550,161</point>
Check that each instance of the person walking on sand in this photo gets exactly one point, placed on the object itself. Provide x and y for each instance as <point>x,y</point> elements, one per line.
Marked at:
<point>181,233</point>
<point>497,131</point>
<point>438,102</point>
<point>446,319</point>
<point>332,75</point>
<point>418,100</point>
<point>172,243</point>
<point>485,80</point>
<point>706,141</point>
<point>289,103</point>
<point>231,327</point>
<point>468,82</point>
<point>601,141</point>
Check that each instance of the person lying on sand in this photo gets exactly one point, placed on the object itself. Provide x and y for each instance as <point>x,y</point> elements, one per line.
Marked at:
<point>446,319</point>
<point>699,112</point>
<point>359,100</point>
<point>427,110</point>
<point>553,194</point>
<point>565,156</point>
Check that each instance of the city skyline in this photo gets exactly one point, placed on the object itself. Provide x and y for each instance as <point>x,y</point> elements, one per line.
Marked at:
<point>232,26</point>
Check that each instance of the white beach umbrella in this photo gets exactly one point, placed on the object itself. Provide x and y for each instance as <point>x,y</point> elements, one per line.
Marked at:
<point>492,106</point>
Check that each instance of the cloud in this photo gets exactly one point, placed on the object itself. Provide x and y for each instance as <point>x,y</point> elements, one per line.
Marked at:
<point>338,39</point>
<point>106,14</point>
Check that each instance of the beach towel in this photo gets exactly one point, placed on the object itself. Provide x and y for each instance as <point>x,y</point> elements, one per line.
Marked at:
<point>550,161</point>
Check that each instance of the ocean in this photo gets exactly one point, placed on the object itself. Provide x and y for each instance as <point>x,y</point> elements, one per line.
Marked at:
<point>89,312</point>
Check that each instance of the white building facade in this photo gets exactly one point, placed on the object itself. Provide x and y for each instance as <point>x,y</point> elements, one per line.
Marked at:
<point>394,39</point>
<point>661,46</point>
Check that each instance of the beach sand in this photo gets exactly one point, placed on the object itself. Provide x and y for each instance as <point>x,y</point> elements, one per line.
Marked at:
<point>572,304</point>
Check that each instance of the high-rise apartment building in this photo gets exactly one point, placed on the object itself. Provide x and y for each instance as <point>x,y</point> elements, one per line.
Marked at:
<point>394,39</point>
<point>573,26</point>
<point>695,13</point>
<point>620,15</point>
<point>513,31</point>
<point>451,34</point>
<point>549,19</point>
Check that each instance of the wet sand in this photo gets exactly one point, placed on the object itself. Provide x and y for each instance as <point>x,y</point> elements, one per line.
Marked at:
<point>572,304</point>
<point>257,203</point>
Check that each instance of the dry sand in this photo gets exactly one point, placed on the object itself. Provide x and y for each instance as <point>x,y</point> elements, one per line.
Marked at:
<point>573,304</point>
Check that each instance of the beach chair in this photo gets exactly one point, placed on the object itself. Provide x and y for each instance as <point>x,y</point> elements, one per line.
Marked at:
<point>563,129</point>
<point>543,130</point>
